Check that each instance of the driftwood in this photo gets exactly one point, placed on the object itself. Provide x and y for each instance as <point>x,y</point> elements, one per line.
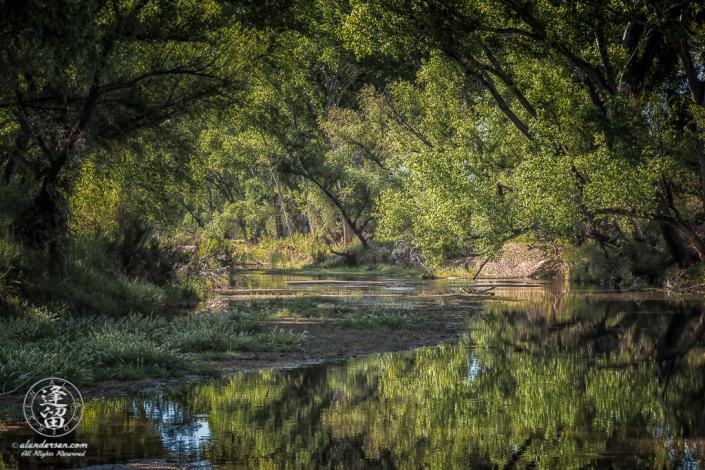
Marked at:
<point>477,291</point>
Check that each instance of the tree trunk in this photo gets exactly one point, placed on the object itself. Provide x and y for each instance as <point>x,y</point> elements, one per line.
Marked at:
<point>46,204</point>
<point>358,233</point>
<point>346,237</point>
<point>47,209</point>
<point>673,239</point>
<point>243,229</point>
<point>210,204</point>
<point>278,226</point>
<point>638,233</point>
<point>310,222</point>
<point>286,212</point>
<point>345,233</point>
<point>338,204</point>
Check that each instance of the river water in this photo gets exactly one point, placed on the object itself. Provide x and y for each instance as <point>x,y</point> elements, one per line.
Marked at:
<point>549,375</point>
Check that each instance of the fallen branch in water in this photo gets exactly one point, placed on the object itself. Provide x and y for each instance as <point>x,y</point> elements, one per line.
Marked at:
<point>477,291</point>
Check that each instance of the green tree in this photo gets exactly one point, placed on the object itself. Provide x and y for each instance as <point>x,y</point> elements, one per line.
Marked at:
<point>294,107</point>
<point>578,81</point>
<point>82,74</point>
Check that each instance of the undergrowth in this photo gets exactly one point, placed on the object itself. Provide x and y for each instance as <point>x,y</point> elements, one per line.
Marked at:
<point>131,271</point>
<point>282,253</point>
<point>315,253</point>
<point>631,264</point>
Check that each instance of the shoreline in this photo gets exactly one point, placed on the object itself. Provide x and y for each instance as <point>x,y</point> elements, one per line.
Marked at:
<point>327,339</point>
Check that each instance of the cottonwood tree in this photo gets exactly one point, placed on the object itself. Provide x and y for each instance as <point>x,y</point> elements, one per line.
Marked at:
<point>76,75</point>
<point>607,96</point>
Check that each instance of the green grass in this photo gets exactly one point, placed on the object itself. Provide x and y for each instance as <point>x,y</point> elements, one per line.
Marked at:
<point>303,307</point>
<point>87,350</point>
<point>454,271</point>
<point>90,273</point>
<point>312,256</point>
<point>385,321</point>
<point>345,314</point>
<point>342,270</point>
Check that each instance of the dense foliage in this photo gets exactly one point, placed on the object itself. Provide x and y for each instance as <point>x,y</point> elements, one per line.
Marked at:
<point>456,125</point>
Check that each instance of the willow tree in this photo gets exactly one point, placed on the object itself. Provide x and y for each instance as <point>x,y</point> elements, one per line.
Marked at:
<point>295,103</point>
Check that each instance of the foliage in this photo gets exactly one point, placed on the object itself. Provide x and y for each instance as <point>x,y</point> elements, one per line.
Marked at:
<point>576,132</point>
<point>146,149</point>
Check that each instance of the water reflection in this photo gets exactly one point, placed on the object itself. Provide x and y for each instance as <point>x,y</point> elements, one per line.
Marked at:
<point>558,379</point>
<point>380,285</point>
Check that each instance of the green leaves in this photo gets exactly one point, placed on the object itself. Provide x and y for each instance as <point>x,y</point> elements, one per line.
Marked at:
<point>450,199</point>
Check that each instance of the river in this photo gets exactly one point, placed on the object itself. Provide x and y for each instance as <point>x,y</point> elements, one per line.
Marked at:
<point>548,376</point>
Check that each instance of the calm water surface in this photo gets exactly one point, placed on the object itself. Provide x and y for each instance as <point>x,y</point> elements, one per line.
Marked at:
<point>559,377</point>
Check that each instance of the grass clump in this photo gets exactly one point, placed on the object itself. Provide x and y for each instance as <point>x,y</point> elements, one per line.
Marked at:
<point>86,350</point>
<point>277,340</point>
<point>303,307</point>
<point>122,355</point>
<point>211,333</point>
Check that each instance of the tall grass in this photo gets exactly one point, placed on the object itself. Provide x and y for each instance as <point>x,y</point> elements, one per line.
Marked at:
<point>96,275</point>
<point>282,253</point>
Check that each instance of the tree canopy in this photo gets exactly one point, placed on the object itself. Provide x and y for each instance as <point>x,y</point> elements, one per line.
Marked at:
<point>459,125</point>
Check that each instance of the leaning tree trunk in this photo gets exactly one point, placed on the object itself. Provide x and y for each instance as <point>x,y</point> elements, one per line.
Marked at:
<point>358,234</point>
<point>286,212</point>
<point>671,235</point>
<point>243,229</point>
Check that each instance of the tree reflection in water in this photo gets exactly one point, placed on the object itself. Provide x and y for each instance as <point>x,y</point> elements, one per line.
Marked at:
<point>564,381</point>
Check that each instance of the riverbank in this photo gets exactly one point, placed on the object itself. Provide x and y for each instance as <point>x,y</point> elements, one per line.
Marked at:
<point>242,329</point>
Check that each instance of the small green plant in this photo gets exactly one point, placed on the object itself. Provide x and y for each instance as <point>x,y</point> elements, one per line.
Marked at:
<point>277,340</point>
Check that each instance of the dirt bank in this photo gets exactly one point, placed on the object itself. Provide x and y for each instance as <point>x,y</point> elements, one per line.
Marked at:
<point>521,261</point>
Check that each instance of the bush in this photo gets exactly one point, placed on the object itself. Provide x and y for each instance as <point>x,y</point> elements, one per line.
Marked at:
<point>140,255</point>
<point>633,259</point>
